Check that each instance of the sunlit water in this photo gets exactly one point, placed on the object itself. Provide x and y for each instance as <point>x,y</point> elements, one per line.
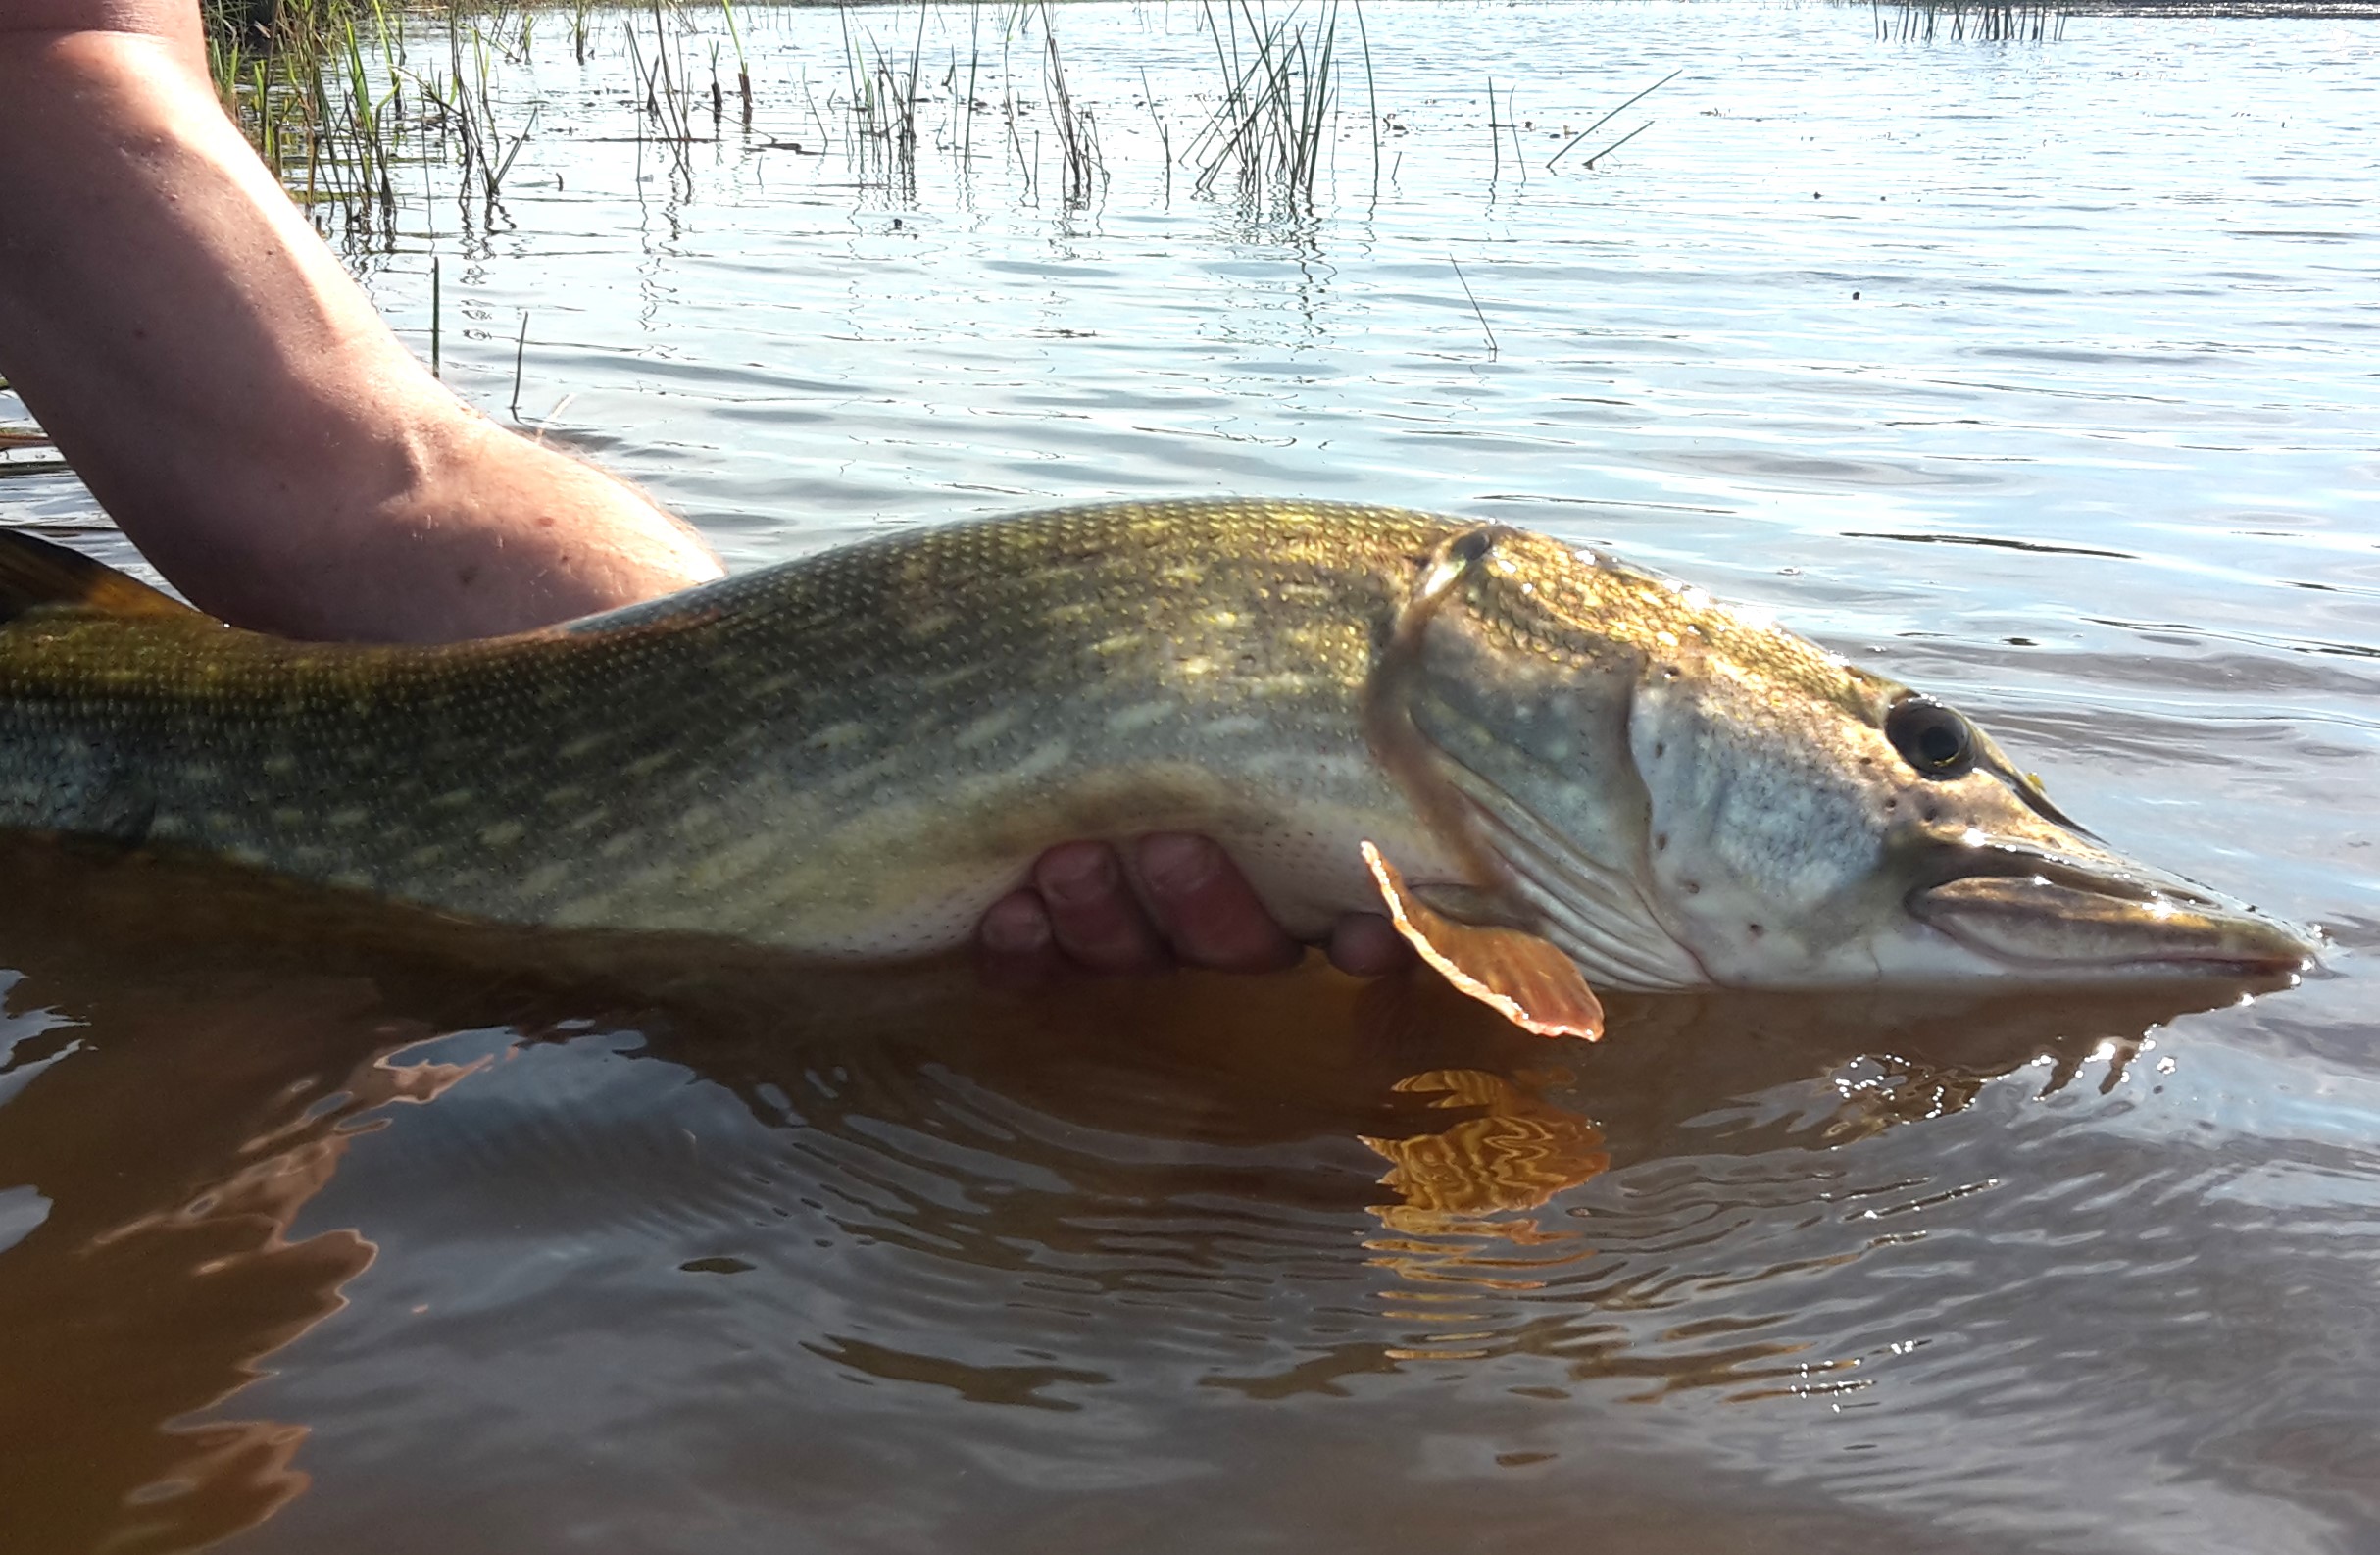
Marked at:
<point>2042,375</point>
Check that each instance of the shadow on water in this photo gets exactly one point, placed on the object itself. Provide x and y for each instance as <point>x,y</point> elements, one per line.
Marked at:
<point>1277,1186</point>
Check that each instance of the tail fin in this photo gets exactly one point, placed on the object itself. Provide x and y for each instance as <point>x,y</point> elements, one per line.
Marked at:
<point>35,573</point>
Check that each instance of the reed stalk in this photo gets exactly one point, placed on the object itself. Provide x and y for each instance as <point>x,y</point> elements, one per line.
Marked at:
<point>1281,95</point>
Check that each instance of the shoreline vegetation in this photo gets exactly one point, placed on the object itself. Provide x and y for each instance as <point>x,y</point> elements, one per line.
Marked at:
<point>344,98</point>
<point>353,102</point>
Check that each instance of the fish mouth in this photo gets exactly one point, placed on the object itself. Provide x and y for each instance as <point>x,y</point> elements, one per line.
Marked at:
<point>2104,919</point>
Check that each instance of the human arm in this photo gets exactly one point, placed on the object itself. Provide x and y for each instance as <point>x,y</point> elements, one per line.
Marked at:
<point>227,392</point>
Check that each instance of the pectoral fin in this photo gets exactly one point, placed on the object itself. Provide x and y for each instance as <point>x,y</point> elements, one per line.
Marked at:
<point>1527,981</point>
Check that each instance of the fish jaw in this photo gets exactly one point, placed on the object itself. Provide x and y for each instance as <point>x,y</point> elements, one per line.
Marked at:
<point>2070,919</point>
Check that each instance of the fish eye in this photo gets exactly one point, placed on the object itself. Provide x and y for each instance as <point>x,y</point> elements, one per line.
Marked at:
<point>1935,741</point>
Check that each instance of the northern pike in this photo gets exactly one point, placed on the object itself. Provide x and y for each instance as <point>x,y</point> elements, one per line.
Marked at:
<point>1556,771</point>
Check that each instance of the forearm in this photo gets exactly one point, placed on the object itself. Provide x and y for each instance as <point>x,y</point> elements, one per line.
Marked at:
<point>229,394</point>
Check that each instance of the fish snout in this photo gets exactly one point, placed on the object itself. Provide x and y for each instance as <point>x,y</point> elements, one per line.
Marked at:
<point>2104,917</point>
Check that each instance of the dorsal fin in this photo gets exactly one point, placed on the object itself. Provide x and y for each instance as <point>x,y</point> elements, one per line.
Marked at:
<point>34,573</point>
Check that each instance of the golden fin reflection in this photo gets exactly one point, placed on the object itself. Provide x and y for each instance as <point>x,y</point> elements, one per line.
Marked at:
<point>1522,977</point>
<point>1516,1154</point>
<point>1469,1185</point>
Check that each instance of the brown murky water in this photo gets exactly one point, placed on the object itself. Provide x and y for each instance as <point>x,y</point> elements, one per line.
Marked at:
<point>327,1230</point>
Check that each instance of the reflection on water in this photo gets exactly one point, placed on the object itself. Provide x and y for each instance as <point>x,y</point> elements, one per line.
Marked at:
<point>366,1232</point>
<point>1461,1195</point>
<point>630,1225</point>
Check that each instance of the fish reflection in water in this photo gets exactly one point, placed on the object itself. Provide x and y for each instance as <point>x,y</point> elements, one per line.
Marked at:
<point>1462,1190</point>
<point>1112,1196</point>
<point>1468,1195</point>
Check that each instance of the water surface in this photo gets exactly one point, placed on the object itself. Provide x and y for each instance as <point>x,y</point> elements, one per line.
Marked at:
<point>2038,374</point>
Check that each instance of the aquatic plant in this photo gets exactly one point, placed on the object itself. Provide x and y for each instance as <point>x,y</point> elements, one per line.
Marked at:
<point>1922,21</point>
<point>315,88</point>
<point>332,100</point>
<point>324,92</point>
<point>1077,131</point>
<point>1280,97</point>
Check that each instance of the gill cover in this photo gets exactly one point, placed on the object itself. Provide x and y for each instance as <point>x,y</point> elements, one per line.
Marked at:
<point>1513,969</point>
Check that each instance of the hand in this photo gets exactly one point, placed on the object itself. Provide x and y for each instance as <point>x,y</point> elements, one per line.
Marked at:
<point>1081,912</point>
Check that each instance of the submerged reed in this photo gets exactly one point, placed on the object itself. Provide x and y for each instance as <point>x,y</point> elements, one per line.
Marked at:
<point>315,88</point>
<point>322,90</point>
<point>326,91</point>
<point>1077,131</point>
<point>1271,130</point>
<point>1922,21</point>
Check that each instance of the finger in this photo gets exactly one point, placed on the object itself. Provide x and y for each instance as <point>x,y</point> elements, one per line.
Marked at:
<point>1015,944</point>
<point>1205,906</point>
<point>1093,913</point>
<point>1367,946</point>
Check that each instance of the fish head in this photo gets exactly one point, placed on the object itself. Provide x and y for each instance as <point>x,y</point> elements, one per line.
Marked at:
<point>1814,824</point>
<point>1682,792</point>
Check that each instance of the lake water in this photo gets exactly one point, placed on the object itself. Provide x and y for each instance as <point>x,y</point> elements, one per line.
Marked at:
<point>2041,375</point>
